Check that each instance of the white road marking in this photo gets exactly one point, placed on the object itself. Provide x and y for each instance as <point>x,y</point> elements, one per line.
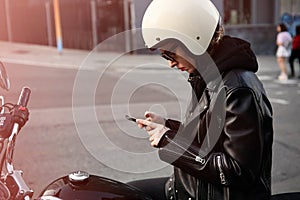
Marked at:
<point>289,81</point>
<point>265,78</point>
<point>39,63</point>
<point>279,101</point>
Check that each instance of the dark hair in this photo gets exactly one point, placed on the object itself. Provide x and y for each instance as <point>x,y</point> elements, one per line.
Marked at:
<point>217,37</point>
<point>282,27</point>
<point>298,30</point>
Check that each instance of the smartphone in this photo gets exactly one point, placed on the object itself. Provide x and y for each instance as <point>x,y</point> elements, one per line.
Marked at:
<point>130,118</point>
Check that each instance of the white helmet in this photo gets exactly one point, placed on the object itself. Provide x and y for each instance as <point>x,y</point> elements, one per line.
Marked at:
<point>192,22</point>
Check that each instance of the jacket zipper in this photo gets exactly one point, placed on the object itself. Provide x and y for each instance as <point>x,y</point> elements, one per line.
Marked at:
<point>222,175</point>
<point>223,178</point>
<point>195,157</point>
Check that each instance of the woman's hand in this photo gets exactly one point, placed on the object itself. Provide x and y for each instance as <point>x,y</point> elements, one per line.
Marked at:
<point>153,117</point>
<point>155,130</point>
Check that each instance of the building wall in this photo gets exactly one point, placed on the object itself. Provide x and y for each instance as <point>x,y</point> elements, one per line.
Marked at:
<point>26,22</point>
<point>3,25</point>
<point>260,31</point>
<point>263,11</point>
<point>30,22</point>
<point>33,22</point>
<point>261,37</point>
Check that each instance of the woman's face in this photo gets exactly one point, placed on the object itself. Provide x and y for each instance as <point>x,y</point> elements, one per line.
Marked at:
<point>278,29</point>
<point>179,59</point>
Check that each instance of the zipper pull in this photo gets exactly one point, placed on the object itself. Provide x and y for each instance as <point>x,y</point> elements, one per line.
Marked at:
<point>222,175</point>
<point>200,160</point>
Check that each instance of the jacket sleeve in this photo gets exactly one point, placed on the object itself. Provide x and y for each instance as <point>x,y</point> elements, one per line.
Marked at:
<point>236,158</point>
<point>173,124</point>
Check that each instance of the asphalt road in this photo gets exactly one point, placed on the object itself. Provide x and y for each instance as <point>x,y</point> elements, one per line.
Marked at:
<point>52,144</point>
<point>50,147</point>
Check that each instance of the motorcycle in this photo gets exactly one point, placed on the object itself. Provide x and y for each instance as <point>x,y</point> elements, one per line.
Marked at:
<point>77,185</point>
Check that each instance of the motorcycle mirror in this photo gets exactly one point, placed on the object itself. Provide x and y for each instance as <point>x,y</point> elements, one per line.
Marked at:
<point>4,80</point>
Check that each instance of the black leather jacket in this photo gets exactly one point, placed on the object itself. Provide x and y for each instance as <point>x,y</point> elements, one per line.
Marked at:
<point>224,150</point>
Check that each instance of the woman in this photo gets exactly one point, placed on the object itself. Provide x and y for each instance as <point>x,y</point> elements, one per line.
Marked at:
<point>283,42</point>
<point>295,50</point>
<point>223,150</point>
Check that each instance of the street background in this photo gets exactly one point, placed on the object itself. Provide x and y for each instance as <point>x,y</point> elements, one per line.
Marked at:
<point>52,144</point>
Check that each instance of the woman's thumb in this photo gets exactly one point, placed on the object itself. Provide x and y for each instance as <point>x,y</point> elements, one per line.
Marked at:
<point>148,114</point>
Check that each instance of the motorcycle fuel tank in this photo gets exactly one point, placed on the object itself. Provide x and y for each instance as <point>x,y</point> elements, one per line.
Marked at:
<point>82,186</point>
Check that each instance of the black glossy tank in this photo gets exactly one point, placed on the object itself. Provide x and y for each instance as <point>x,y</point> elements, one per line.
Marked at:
<point>82,186</point>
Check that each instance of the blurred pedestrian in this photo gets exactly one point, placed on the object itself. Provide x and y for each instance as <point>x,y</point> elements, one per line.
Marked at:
<point>295,54</point>
<point>283,42</point>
